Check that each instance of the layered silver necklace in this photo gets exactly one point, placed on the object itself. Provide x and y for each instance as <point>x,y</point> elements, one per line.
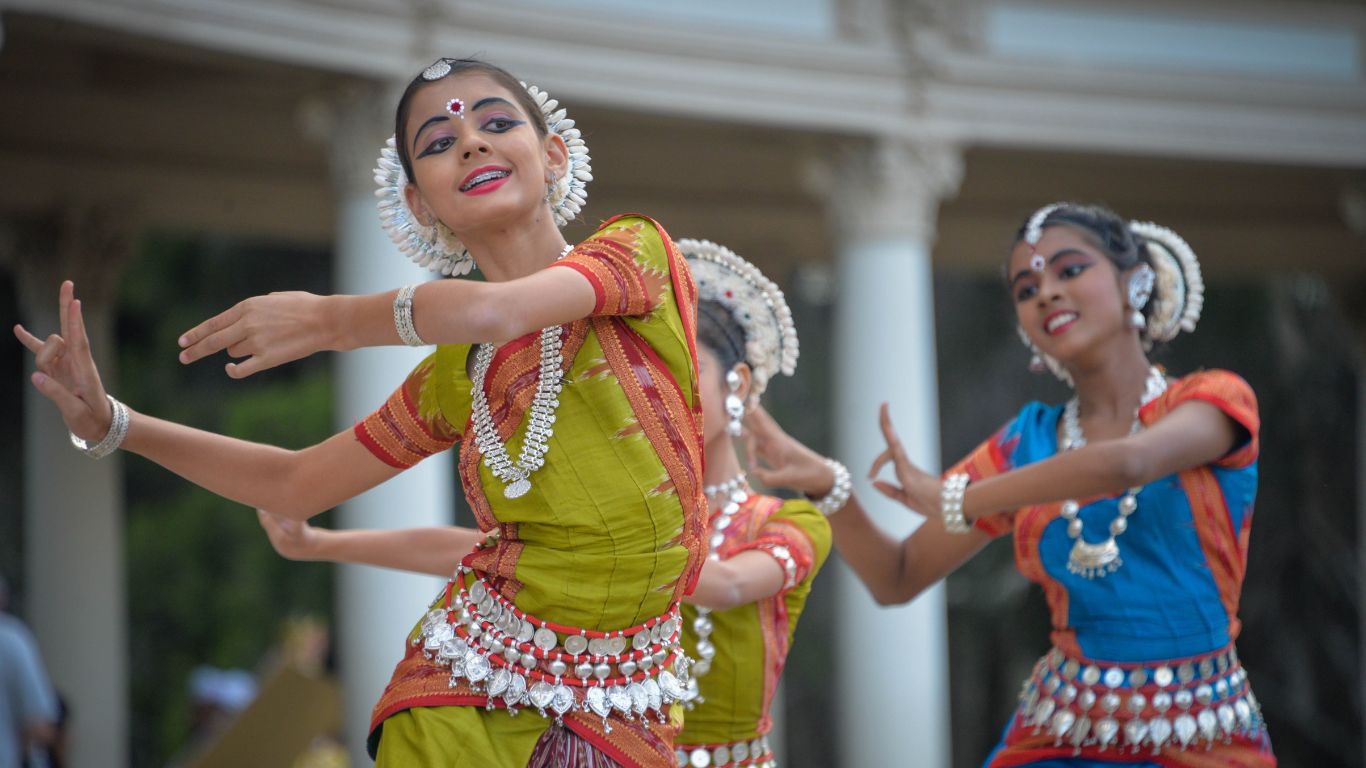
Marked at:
<point>737,492</point>
<point>516,476</point>
<point>1100,559</point>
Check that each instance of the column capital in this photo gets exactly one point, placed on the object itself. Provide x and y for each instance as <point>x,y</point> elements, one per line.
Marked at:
<point>90,243</point>
<point>888,188</point>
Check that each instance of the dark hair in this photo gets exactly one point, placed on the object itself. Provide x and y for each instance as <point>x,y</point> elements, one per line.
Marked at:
<point>459,67</point>
<point>718,332</point>
<point>1104,229</point>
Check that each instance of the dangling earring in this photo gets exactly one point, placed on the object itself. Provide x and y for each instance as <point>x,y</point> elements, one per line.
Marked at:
<point>1140,289</point>
<point>735,407</point>
<point>550,180</point>
<point>1036,364</point>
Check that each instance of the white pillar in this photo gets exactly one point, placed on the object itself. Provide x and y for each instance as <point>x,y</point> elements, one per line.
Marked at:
<point>375,607</point>
<point>73,527</point>
<point>892,662</point>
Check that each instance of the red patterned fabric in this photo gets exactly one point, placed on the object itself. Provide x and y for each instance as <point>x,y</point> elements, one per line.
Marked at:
<point>400,433</point>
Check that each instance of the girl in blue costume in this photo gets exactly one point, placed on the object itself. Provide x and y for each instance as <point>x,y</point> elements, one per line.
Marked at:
<point>1131,506</point>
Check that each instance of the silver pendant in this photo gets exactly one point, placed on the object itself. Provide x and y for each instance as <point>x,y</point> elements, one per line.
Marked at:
<point>517,488</point>
<point>1092,561</point>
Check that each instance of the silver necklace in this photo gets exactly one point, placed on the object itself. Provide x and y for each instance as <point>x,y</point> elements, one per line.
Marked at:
<point>1100,559</point>
<point>739,492</point>
<point>516,476</point>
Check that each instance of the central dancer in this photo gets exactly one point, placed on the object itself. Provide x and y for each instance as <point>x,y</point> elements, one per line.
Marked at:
<point>764,551</point>
<point>569,381</point>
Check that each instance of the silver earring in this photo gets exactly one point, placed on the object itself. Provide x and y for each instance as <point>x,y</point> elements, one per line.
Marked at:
<point>1140,289</point>
<point>735,407</point>
<point>550,180</point>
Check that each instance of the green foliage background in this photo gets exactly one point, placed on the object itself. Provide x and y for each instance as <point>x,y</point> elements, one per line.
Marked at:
<point>204,585</point>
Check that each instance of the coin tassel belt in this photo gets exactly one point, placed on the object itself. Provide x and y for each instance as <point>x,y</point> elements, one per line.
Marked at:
<point>746,753</point>
<point>497,649</point>
<point>1157,706</point>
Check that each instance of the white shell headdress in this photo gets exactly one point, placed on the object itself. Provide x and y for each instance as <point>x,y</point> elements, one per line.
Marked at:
<point>756,303</point>
<point>1179,296</point>
<point>436,247</point>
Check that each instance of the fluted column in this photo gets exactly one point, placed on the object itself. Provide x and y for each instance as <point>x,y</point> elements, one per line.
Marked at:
<point>892,662</point>
<point>375,607</point>
<point>74,507</point>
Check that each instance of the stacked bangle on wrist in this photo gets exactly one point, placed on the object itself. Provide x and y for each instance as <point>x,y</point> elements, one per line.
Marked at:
<point>951,503</point>
<point>838,496</point>
<point>403,317</point>
<point>118,430</point>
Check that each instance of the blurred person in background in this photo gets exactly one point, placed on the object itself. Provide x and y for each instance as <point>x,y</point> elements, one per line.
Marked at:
<point>1160,470</point>
<point>30,713</point>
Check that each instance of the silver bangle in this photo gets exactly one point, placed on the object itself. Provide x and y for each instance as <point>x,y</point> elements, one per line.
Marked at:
<point>403,317</point>
<point>838,496</point>
<point>118,430</point>
<point>951,503</point>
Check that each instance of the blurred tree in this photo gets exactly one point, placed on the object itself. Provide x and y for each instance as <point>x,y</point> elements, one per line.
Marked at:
<point>204,585</point>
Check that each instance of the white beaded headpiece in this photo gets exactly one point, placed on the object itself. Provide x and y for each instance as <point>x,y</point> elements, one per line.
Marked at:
<point>756,303</point>
<point>436,247</point>
<point>1179,296</point>
<point>1034,229</point>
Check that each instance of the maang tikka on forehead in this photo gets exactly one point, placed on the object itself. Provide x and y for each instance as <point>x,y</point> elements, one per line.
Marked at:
<point>1034,231</point>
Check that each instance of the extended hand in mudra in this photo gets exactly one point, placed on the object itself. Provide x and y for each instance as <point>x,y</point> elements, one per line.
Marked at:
<point>266,330</point>
<point>914,487</point>
<point>66,372</point>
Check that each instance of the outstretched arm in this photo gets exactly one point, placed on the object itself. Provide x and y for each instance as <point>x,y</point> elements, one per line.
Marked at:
<point>1195,433</point>
<point>894,571</point>
<point>421,550</point>
<point>745,578</point>
<point>280,327</point>
<point>296,483</point>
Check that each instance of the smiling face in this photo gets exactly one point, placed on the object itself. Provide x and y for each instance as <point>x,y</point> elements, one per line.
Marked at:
<point>1074,303</point>
<point>482,165</point>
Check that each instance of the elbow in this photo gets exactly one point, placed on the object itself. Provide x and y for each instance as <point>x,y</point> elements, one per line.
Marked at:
<point>491,320</point>
<point>292,497</point>
<point>1130,466</point>
<point>896,595</point>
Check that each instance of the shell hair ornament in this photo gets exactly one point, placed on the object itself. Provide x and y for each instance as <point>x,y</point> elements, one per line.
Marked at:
<point>434,245</point>
<point>756,303</point>
<point>1179,288</point>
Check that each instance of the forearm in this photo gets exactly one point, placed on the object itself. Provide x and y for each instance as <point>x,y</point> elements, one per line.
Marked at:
<point>445,312</point>
<point>1101,468</point>
<point>877,558</point>
<point>466,311</point>
<point>897,571</point>
<point>436,551</point>
<point>297,484</point>
<point>745,578</point>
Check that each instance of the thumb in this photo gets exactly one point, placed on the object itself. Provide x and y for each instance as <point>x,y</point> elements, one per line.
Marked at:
<point>71,407</point>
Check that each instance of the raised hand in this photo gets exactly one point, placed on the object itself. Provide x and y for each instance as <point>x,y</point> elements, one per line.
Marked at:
<point>292,539</point>
<point>779,460</point>
<point>267,330</point>
<point>915,487</point>
<point>66,372</point>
